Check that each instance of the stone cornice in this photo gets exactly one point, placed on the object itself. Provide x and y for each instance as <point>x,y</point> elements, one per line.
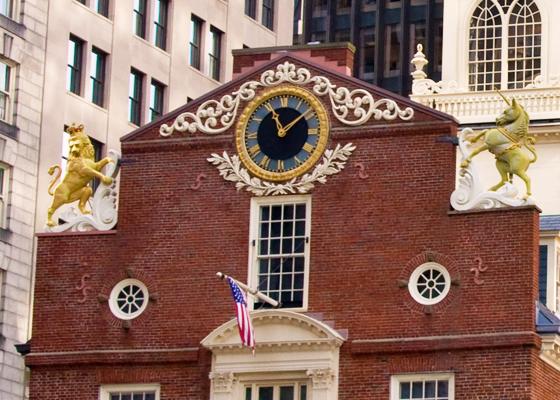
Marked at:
<point>550,350</point>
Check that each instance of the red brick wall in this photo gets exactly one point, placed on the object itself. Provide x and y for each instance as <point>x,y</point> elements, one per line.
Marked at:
<point>367,235</point>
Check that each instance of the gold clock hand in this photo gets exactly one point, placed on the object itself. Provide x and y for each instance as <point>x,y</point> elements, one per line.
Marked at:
<point>287,127</point>
<point>279,127</point>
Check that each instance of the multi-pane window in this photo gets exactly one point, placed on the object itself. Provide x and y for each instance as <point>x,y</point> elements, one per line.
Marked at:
<point>343,21</point>
<point>97,75</point>
<point>366,41</point>
<point>195,41</point>
<point>214,54</point>
<point>7,8</point>
<point>74,74</point>
<point>268,14</point>
<point>285,391</point>
<point>4,190</point>
<point>139,18</point>
<point>319,20</point>
<point>506,33</point>
<point>133,396</point>
<point>392,50</point>
<point>102,7</point>
<point>129,392</point>
<point>135,97</point>
<point>157,90</point>
<point>251,8</point>
<point>543,269</point>
<point>281,249</point>
<point>160,23</point>
<point>5,92</point>
<point>423,387</point>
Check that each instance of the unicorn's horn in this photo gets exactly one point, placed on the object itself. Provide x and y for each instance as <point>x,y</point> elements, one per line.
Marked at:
<point>502,96</point>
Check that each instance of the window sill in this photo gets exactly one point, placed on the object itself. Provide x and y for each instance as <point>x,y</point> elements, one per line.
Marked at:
<point>86,101</point>
<point>5,235</point>
<point>107,19</point>
<point>259,24</point>
<point>12,26</point>
<point>152,45</point>
<point>202,74</point>
<point>9,130</point>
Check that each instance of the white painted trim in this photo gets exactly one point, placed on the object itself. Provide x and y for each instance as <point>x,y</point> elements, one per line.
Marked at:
<point>397,379</point>
<point>252,272</point>
<point>413,281</point>
<point>105,390</point>
<point>116,291</point>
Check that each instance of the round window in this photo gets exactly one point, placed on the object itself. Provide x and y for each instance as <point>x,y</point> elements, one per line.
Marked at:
<point>429,283</point>
<point>129,298</point>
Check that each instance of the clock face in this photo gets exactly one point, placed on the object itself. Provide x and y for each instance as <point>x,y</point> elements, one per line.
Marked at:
<point>282,133</point>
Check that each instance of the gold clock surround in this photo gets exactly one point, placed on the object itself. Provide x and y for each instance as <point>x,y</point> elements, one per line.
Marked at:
<point>245,118</point>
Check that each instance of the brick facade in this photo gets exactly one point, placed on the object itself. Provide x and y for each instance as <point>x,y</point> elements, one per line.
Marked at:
<point>369,231</point>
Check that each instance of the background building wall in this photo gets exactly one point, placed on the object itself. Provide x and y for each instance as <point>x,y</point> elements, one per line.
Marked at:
<point>22,49</point>
<point>125,50</point>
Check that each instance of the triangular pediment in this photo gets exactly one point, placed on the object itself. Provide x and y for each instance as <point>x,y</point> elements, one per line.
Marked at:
<point>276,328</point>
<point>351,103</point>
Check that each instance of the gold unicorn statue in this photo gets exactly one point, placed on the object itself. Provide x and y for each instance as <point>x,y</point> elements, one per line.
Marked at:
<point>80,170</point>
<point>506,142</point>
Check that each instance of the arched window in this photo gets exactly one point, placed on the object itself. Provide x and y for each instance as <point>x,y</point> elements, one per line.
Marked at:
<point>504,44</point>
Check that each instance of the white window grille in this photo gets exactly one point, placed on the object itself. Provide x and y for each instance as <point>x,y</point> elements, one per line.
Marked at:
<point>423,387</point>
<point>129,392</point>
<point>4,192</point>
<point>283,391</point>
<point>128,299</point>
<point>504,44</point>
<point>6,89</point>
<point>280,231</point>
<point>429,283</point>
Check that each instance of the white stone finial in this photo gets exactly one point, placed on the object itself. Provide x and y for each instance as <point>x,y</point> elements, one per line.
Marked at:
<point>419,61</point>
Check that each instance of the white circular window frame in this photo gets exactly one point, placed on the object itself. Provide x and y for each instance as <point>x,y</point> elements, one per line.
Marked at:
<point>115,292</point>
<point>413,283</point>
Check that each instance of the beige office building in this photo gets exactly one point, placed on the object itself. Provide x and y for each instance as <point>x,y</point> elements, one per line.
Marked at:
<point>112,65</point>
<point>115,65</point>
<point>23,27</point>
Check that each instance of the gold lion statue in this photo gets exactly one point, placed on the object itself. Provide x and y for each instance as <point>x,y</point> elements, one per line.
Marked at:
<point>506,142</point>
<point>80,170</point>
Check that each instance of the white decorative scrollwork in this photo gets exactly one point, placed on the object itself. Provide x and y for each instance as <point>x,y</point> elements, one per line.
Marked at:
<point>222,381</point>
<point>103,205</point>
<point>428,86</point>
<point>540,82</point>
<point>349,107</point>
<point>231,169</point>
<point>322,378</point>
<point>469,195</point>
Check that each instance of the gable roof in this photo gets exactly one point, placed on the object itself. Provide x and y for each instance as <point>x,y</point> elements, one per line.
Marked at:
<point>146,131</point>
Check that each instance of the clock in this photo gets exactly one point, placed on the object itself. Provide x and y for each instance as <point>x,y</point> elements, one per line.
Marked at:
<point>282,133</point>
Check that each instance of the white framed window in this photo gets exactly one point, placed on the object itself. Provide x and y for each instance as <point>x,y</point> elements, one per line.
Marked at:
<point>129,392</point>
<point>128,299</point>
<point>9,8</point>
<point>423,387</point>
<point>280,241</point>
<point>504,44</point>
<point>6,91</point>
<point>4,193</point>
<point>276,391</point>
<point>429,283</point>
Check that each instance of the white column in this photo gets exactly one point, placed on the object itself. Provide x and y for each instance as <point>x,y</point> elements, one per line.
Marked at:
<point>222,385</point>
<point>323,384</point>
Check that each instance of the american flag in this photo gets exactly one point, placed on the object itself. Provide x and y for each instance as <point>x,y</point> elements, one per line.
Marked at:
<point>243,319</point>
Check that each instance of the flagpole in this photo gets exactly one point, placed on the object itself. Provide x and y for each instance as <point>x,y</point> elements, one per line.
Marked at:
<point>253,292</point>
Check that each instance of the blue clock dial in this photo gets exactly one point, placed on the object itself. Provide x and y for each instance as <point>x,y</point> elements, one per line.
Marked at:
<point>284,134</point>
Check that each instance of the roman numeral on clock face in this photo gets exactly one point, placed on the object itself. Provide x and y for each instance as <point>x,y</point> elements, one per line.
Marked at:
<point>308,147</point>
<point>284,101</point>
<point>254,150</point>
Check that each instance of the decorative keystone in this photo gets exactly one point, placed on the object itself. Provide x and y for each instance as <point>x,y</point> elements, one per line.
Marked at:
<point>126,325</point>
<point>129,272</point>
<point>154,296</point>
<point>402,283</point>
<point>102,298</point>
